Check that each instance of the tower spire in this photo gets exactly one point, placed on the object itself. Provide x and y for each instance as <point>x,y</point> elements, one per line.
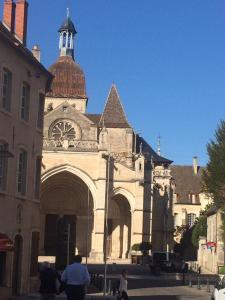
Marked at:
<point>66,40</point>
<point>159,145</point>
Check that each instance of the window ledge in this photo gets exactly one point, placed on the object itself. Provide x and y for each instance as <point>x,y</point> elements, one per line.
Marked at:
<point>36,201</point>
<point>26,123</point>
<point>6,112</point>
<point>3,193</point>
<point>20,197</point>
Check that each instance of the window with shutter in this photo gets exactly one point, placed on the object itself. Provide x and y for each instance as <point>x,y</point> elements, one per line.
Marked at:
<point>6,89</point>
<point>3,165</point>
<point>25,102</point>
<point>41,107</point>
<point>37,178</point>
<point>22,173</point>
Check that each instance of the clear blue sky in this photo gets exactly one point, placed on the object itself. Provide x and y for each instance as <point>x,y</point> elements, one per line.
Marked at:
<point>167,58</point>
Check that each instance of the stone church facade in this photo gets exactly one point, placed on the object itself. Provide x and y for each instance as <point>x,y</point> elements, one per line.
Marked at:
<point>103,186</point>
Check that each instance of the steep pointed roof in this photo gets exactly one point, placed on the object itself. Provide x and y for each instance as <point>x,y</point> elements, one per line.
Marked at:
<point>114,115</point>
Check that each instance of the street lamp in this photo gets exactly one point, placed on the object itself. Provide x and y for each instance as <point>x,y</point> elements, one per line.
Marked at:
<point>108,158</point>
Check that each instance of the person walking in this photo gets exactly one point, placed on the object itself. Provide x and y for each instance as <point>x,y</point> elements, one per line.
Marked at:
<point>123,286</point>
<point>48,278</point>
<point>76,278</point>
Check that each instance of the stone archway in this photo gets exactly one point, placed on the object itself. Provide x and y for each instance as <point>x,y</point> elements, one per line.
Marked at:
<point>67,213</point>
<point>119,227</point>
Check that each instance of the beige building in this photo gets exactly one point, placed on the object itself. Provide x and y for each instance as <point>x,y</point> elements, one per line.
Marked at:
<point>188,198</point>
<point>98,176</point>
<point>211,248</point>
<point>23,84</point>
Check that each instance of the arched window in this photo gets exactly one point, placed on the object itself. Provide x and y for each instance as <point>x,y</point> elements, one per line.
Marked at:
<point>64,39</point>
<point>69,40</point>
<point>3,165</point>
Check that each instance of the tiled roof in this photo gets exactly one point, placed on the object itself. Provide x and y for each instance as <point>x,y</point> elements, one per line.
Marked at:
<point>186,182</point>
<point>23,51</point>
<point>149,153</point>
<point>95,118</point>
<point>114,115</point>
<point>69,79</point>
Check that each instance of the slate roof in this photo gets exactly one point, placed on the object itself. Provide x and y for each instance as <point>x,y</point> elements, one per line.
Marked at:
<point>149,153</point>
<point>114,115</point>
<point>9,38</point>
<point>95,118</point>
<point>186,182</point>
<point>68,26</point>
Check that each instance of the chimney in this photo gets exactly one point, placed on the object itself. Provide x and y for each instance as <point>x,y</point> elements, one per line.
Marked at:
<point>36,52</point>
<point>9,15</point>
<point>21,21</point>
<point>195,165</point>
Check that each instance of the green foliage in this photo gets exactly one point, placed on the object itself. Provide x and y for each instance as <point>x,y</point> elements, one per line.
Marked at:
<point>136,247</point>
<point>221,270</point>
<point>144,247</point>
<point>214,174</point>
<point>200,229</point>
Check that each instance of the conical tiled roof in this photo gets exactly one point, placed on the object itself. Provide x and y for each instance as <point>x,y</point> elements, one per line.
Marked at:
<point>114,115</point>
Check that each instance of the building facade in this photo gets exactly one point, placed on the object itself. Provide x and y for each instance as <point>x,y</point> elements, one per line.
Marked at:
<point>211,247</point>
<point>188,197</point>
<point>100,180</point>
<point>23,84</point>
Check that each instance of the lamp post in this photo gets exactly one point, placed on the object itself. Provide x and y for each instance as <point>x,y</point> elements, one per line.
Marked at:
<point>108,158</point>
<point>88,204</point>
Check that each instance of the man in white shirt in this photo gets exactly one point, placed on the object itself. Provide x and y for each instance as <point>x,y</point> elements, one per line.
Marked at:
<point>76,278</point>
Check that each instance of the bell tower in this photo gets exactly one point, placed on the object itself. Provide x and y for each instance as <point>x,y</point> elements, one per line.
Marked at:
<point>66,39</point>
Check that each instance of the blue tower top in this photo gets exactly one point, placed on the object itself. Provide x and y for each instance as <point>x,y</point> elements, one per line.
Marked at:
<point>67,32</point>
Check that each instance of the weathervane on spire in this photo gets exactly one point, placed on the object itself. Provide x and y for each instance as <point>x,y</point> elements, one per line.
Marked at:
<point>159,145</point>
<point>68,12</point>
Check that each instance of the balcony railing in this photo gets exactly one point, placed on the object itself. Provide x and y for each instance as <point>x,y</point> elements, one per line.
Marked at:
<point>69,145</point>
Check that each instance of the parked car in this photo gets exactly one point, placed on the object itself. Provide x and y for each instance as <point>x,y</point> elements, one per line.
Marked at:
<point>167,261</point>
<point>219,290</point>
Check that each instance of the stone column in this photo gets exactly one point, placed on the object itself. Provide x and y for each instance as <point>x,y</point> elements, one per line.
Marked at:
<point>98,235</point>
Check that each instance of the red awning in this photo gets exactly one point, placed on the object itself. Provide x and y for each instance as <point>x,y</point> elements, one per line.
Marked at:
<point>5,243</point>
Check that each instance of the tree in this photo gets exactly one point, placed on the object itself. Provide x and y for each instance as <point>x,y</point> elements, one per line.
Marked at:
<point>214,175</point>
<point>200,229</point>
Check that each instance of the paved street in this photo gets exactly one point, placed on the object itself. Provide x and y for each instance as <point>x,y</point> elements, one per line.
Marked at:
<point>156,293</point>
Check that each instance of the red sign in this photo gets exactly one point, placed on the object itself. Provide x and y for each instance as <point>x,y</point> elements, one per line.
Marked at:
<point>5,243</point>
<point>211,244</point>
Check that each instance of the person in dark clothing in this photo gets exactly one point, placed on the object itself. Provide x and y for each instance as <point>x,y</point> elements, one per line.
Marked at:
<point>48,278</point>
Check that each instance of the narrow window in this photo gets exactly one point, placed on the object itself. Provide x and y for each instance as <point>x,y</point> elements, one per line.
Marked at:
<point>191,219</point>
<point>2,268</point>
<point>41,106</point>
<point>25,102</point>
<point>64,39</point>
<point>34,254</point>
<point>37,178</point>
<point>6,89</point>
<point>3,165</point>
<point>22,173</point>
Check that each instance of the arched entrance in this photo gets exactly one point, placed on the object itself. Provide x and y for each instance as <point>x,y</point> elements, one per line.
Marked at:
<point>67,212</point>
<point>17,265</point>
<point>119,227</point>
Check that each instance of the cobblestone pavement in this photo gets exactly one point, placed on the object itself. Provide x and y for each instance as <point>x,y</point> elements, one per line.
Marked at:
<point>153,293</point>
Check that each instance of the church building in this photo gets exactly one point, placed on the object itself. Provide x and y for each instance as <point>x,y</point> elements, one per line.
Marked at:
<point>104,188</point>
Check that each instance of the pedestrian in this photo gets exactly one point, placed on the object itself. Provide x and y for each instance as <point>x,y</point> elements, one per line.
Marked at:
<point>76,278</point>
<point>49,279</point>
<point>123,286</point>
